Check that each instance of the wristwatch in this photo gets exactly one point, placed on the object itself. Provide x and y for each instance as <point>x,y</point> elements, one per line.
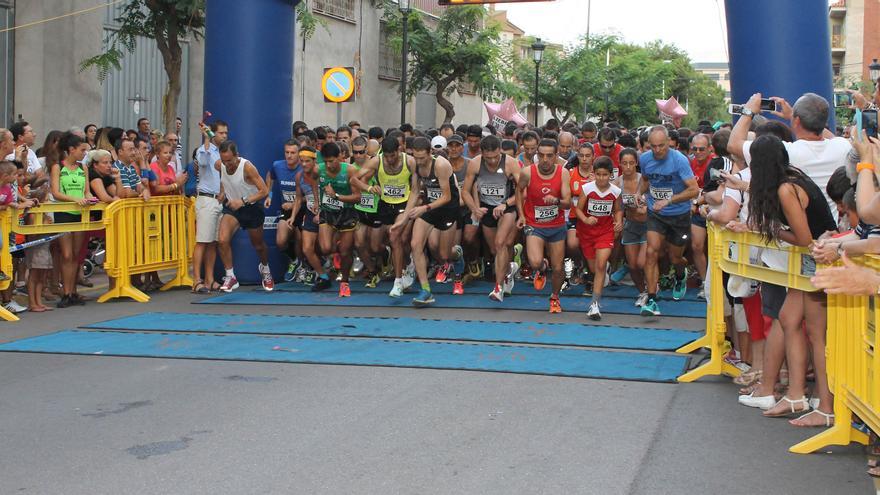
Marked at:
<point>745,112</point>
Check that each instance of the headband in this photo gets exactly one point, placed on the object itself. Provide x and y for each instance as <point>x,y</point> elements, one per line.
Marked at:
<point>307,154</point>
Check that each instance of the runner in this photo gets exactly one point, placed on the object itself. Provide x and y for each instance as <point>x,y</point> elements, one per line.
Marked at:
<point>672,186</point>
<point>540,204</point>
<point>393,172</point>
<point>369,235</point>
<point>241,189</point>
<point>608,146</point>
<point>489,193</point>
<point>581,173</point>
<point>287,172</point>
<point>338,216</point>
<point>635,230</point>
<point>529,149</point>
<point>463,250</point>
<point>600,218</point>
<point>308,192</point>
<point>439,195</point>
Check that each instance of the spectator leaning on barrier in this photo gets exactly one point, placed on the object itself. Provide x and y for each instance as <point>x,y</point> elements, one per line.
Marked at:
<point>105,180</point>
<point>131,180</point>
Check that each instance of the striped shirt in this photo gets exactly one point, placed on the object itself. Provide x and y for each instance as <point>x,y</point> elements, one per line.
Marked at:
<point>129,175</point>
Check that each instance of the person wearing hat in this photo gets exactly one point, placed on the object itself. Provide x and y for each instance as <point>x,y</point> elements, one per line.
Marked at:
<point>438,145</point>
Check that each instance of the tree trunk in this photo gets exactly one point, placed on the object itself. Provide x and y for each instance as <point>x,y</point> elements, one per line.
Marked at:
<point>444,103</point>
<point>167,30</point>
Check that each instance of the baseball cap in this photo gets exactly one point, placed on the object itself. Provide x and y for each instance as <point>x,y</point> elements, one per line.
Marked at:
<point>455,138</point>
<point>438,143</point>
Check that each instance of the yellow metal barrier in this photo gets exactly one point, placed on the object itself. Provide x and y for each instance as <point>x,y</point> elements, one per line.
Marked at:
<point>853,363</point>
<point>6,259</point>
<point>146,236</point>
<point>729,252</point>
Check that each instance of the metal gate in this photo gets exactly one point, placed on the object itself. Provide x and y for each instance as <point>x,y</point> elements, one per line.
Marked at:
<point>136,91</point>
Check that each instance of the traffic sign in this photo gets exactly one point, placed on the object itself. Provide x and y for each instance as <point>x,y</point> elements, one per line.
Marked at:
<point>338,84</point>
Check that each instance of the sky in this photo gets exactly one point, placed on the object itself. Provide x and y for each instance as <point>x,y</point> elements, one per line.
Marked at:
<point>692,25</point>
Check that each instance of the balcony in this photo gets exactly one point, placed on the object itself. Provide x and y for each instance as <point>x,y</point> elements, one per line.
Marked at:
<point>837,9</point>
<point>838,44</point>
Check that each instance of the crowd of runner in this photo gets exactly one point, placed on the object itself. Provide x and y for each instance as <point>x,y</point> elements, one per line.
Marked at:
<point>440,210</point>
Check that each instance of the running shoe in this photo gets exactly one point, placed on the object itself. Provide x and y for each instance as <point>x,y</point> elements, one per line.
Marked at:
<point>588,286</point>
<point>510,279</point>
<point>310,278</point>
<point>569,267</point>
<point>268,283</point>
<point>680,287</point>
<point>357,265</point>
<point>540,277</point>
<point>458,256</point>
<point>397,290</point>
<point>337,261</point>
<point>593,313</point>
<point>301,274</point>
<point>555,306</point>
<point>443,273</point>
<point>619,274</point>
<point>457,288</point>
<point>372,281</point>
<point>517,253</point>
<point>650,308</point>
<point>497,294</point>
<point>15,308</point>
<point>387,266</point>
<point>425,298</point>
<point>321,284</point>
<point>701,294</point>
<point>473,272</point>
<point>344,289</point>
<point>643,298</point>
<point>290,274</point>
<point>229,284</point>
<point>409,276</point>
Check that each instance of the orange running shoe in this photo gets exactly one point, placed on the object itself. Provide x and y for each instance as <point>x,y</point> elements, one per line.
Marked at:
<point>344,290</point>
<point>457,288</point>
<point>555,307</point>
<point>540,280</point>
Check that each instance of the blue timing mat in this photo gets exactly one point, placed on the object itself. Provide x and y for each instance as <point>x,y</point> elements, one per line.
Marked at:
<point>365,352</point>
<point>408,328</point>
<point>483,288</point>
<point>528,303</point>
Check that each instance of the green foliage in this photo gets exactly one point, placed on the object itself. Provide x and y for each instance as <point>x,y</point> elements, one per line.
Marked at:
<point>577,83</point>
<point>458,48</point>
<point>308,22</point>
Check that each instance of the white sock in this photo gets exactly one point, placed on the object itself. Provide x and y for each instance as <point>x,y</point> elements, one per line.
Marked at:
<point>230,273</point>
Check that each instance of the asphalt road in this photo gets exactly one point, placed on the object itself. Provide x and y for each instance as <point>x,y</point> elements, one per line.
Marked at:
<point>107,425</point>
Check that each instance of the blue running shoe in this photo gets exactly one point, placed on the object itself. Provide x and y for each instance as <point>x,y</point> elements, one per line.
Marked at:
<point>290,274</point>
<point>620,274</point>
<point>650,308</point>
<point>680,287</point>
<point>425,298</point>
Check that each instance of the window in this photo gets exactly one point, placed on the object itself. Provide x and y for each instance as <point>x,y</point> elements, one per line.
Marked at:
<point>340,9</point>
<point>835,68</point>
<point>714,76</point>
<point>727,76</point>
<point>390,63</point>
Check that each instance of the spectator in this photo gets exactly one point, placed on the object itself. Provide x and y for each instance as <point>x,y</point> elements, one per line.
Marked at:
<point>143,129</point>
<point>208,207</point>
<point>23,136</point>
<point>125,164</point>
<point>38,258</point>
<point>105,181</point>
<point>91,130</point>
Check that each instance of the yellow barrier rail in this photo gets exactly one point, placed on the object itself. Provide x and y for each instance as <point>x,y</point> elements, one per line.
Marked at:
<point>6,259</point>
<point>731,252</point>
<point>147,236</point>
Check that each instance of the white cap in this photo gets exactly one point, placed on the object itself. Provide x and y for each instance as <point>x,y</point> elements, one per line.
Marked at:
<point>438,143</point>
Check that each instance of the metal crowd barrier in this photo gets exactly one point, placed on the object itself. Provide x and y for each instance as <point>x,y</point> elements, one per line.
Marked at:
<point>852,342</point>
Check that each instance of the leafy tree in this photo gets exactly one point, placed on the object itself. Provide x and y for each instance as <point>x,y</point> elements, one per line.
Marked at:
<point>458,49</point>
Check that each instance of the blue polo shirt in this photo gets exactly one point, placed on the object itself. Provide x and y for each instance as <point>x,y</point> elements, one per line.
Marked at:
<point>666,178</point>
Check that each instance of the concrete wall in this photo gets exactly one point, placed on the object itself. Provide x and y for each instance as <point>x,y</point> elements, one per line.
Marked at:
<point>50,91</point>
<point>377,101</point>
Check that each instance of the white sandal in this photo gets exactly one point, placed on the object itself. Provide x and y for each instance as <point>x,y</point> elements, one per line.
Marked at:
<point>829,419</point>
<point>791,403</point>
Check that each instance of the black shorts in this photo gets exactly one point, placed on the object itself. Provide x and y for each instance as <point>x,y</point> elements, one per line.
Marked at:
<point>489,219</point>
<point>371,220</point>
<point>298,221</point>
<point>64,217</point>
<point>571,223</point>
<point>342,220</point>
<point>676,229</point>
<point>441,218</point>
<point>772,299</point>
<point>249,216</point>
<point>388,212</point>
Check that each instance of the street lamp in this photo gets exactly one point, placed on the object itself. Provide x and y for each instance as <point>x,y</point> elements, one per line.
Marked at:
<point>874,70</point>
<point>405,8</point>
<point>538,53</point>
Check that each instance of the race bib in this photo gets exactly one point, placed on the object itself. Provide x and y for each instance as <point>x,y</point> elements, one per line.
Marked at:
<point>629,200</point>
<point>368,201</point>
<point>600,207</point>
<point>310,202</point>
<point>661,193</point>
<point>331,203</point>
<point>433,194</point>
<point>393,192</point>
<point>546,213</point>
<point>492,191</point>
<point>289,196</point>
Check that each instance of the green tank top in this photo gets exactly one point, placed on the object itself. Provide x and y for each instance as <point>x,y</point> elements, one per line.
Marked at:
<point>339,184</point>
<point>395,188</point>
<point>72,183</point>
<point>369,201</point>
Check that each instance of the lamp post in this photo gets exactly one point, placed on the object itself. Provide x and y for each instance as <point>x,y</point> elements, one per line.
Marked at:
<point>405,8</point>
<point>538,54</point>
<point>874,70</point>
